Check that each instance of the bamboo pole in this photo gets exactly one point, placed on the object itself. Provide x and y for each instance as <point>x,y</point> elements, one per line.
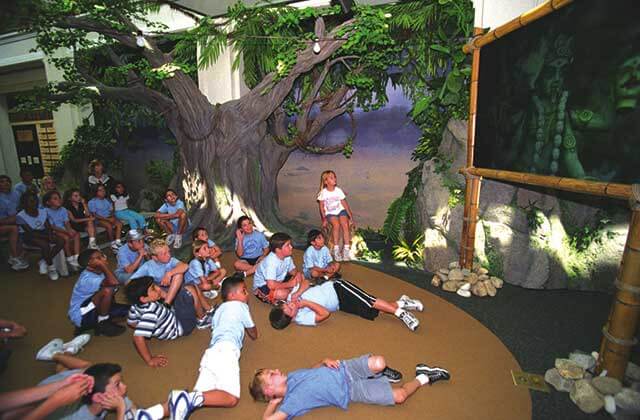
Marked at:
<point>618,334</point>
<point>472,184</point>
<point>601,189</point>
<point>514,24</point>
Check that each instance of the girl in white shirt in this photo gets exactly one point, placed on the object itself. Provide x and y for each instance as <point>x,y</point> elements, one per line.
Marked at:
<point>335,210</point>
<point>120,200</point>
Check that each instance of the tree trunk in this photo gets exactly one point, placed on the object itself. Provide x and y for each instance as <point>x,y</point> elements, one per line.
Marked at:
<point>230,172</point>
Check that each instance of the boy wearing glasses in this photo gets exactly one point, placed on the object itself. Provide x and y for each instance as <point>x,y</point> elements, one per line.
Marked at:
<point>92,304</point>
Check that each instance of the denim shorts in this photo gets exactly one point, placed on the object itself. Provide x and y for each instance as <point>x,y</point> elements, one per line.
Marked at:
<point>342,213</point>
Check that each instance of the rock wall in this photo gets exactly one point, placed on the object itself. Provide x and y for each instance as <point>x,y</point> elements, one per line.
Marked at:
<point>522,235</point>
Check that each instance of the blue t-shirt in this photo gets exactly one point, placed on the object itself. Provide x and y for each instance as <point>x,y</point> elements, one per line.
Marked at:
<point>9,204</point>
<point>57,217</point>
<point>35,223</point>
<point>253,244</point>
<point>314,388</point>
<point>272,268</point>
<point>126,256</point>
<point>324,295</point>
<point>21,187</point>
<point>197,269</point>
<point>169,208</point>
<point>101,207</point>
<point>87,285</point>
<point>320,258</point>
<point>155,269</point>
<point>229,322</point>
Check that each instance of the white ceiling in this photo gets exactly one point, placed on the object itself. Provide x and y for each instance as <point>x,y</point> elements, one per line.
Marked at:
<point>219,7</point>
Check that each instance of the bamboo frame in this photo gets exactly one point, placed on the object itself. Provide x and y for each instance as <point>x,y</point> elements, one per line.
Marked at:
<point>524,19</point>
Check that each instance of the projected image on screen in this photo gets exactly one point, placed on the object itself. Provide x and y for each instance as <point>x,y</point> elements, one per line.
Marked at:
<point>562,95</point>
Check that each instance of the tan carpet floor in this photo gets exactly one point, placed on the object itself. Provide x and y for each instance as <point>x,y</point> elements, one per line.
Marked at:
<point>480,388</point>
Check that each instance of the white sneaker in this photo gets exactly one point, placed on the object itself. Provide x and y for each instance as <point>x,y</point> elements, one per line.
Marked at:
<point>336,254</point>
<point>18,264</point>
<point>170,238</point>
<point>52,347</point>
<point>74,346</point>
<point>182,403</point>
<point>42,267</point>
<point>92,244</point>
<point>409,320</point>
<point>73,263</point>
<point>53,273</point>
<point>405,302</point>
<point>210,294</point>
<point>346,253</point>
<point>177,242</point>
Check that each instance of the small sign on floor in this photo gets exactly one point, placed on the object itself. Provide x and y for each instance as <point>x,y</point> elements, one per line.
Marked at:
<point>530,380</point>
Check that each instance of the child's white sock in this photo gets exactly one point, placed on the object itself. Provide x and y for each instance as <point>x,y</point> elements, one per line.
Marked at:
<point>102,318</point>
<point>92,240</point>
<point>70,259</point>
<point>336,250</point>
<point>118,242</point>
<point>423,379</point>
<point>398,311</point>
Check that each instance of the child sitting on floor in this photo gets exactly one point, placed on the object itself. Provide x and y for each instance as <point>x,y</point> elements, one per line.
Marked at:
<point>201,234</point>
<point>172,218</point>
<point>92,304</point>
<point>251,246</point>
<point>131,255</point>
<point>310,306</point>
<point>318,265</point>
<point>37,232</point>
<point>58,218</point>
<point>203,271</point>
<point>120,199</point>
<point>168,272</point>
<point>335,383</point>
<point>102,209</point>
<point>218,383</point>
<point>276,274</point>
<point>79,215</point>
<point>151,317</point>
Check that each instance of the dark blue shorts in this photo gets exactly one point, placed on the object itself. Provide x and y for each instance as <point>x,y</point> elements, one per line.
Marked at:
<point>342,213</point>
<point>90,318</point>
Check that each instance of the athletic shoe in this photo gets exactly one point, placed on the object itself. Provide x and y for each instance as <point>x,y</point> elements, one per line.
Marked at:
<point>392,375</point>
<point>177,242</point>
<point>42,267</point>
<point>52,347</point>
<point>182,403</point>
<point>170,238</point>
<point>108,328</point>
<point>212,311</point>
<point>71,262</point>
<point>52,272</point>
<point>434,374</point>
<point>346,254</point>
<point>92,244</point>
<point>204,322</point>
<point>210,294</point>
<point>114,247</point>
<point>409,320</point>
<point>405,302</point>
<point>74,346</point>
<point>336,254</point>
<point>18,264</point>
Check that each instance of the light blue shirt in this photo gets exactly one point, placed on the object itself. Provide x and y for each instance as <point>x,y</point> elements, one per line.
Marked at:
<point>9,204</point>
<point>314,388</point>
<point>101,207</point>
<point>272,268</point>
<point>86,286</point>
<point>126,256</point>
<point>76,410</point>
<point>320,258</point>
<point>229,322</point>
<point>210,243</point>
<point>21,187</point>
<point>197,269</point>
<point>324,295</point>
<point>57,217</point>
<point>170,209</point>
<point>155,269</point>
<point>35,223</point>
<point>253,244</point>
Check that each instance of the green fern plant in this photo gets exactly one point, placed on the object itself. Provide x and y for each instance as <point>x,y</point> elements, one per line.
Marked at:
<point>411,254</point>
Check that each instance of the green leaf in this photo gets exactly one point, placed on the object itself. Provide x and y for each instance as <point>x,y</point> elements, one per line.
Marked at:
<point>420,106</point>
<point>440,48</point>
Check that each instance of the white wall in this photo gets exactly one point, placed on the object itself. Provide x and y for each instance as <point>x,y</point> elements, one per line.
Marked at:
<point>493,13</point>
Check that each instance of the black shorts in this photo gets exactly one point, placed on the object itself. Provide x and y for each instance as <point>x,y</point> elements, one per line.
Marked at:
<point>185,312</point>
<point>354,300</point>
<point>90,316</point>
<point>78,227</point>
<point>251,261</point>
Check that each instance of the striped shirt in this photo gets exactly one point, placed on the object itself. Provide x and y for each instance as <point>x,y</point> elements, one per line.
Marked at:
<point>154,319</point>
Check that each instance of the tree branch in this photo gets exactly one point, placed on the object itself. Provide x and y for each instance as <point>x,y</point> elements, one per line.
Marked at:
<point>331,150</point>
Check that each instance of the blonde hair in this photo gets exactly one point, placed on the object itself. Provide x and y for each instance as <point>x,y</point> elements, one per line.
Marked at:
<point>324,176</point>
<point>157,244</point>
<point>255,387</point>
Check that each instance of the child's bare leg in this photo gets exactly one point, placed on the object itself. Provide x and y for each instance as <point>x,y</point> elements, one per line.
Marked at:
<point>91,229</point>
<point>174,287</point>
<point>12,232</point>
<point>103,299</point>
<point>75,237</point>
<point>281,294</point>
<point>218,277</point>
<point>118,226</point>
<point>69,362</point>
<point>385,306</point>
<point>67,242</point>
<point>401,394</point>
<point>200,304</point>
<point>376,364</point>
<point>165,225</point>
<point>108,228</point>
<point>346,233</point>
<point>315,273</point>
<point>335,230</point>
<point>219,399</point>
<point>242,265</point>
<point>182,222</point>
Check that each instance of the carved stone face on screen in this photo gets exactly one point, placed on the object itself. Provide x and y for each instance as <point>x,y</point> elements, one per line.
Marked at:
<point>628,83</point>
<point>553,76</point>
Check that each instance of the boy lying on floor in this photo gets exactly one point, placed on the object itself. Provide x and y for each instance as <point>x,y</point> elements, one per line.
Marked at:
<point>312,305</point>
<point>335,383</point>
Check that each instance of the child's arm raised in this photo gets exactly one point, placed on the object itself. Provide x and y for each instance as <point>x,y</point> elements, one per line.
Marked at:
<point>271,413</point>
<point>239,244</point>
<point>304,285</point>
<point>321,312</point>
<point>143,350</point>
